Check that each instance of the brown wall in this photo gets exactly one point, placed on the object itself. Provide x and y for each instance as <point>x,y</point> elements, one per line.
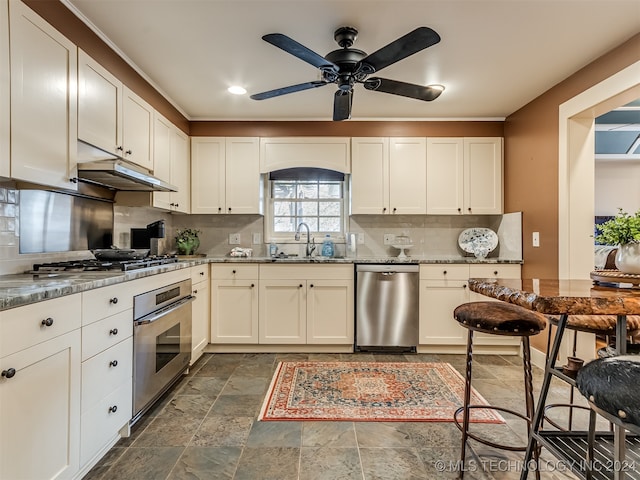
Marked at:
<point>531,157</point>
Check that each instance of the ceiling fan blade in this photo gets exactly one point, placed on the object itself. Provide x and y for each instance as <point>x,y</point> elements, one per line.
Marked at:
<point>296,49</point>
<point>342,105</point>
<point>410,90</point>
<point>290,89</point>
<point>407,45</point>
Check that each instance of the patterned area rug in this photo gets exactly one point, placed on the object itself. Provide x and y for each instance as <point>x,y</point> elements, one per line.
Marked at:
<point>369,392</point>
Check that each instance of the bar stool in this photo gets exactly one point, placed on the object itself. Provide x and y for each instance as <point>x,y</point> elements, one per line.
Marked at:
<point>610,385</point>
<point>597,324</point>
<point>497,318</point>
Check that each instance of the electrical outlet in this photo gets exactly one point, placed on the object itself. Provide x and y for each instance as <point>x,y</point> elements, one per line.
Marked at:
<point>234,239</point>
<point>389,238</point>
<point>360,239</point>
<point>257,238</point>
<point>536,239</point>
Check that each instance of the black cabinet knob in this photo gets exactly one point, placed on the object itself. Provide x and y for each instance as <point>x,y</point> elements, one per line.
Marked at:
<point>73,180</point>
<point>113,300</point>
<point>195,292</point>
<point>202,274</point>
<point>252,285</point>
<point>469,209</point>
<point>464,286</point>
<point>229,209</point>
<point>233,271</point>
<point>394,209</point>
<point>459,210</point>
<point>300,286</point>
<point>113,331</point>
<point>311,286</point>
<point>495,272</point>
<point>47,322</point>
<point>113,409</point>
<point>128,152</point>
<point>384,209</point>
<point>113,363</point>
<point>444,272</point>
<point>119,148</point>
<point>219,209</point>
<point>10,372</point>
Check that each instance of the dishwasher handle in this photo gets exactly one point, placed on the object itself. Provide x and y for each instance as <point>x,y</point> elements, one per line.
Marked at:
<point>388,274</point>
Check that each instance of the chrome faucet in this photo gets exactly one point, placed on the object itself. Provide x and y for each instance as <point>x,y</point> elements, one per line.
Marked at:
<point>311,246</point>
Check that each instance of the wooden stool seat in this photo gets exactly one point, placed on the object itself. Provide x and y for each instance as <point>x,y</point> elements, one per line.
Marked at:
<point>499,318</point>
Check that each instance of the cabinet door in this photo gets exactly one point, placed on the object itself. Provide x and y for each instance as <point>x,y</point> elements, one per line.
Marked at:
<point>208,174</point>
<point>99,105</point>
<point>445,185</point>
<point>162,158</point>
<point>330,312</point>
<point>408,176</point>
<point>438,299</point>
<point>4,90</point>
<point>40,410</point>
<point>483,175</point>
<point>44,125</point>
<point>242,174</point>
<point>200,315</point>
<point>137,129</point>
<point>180,171</point>
<point>234,311</point>
<point>369,175</point>
<point>283,311</point>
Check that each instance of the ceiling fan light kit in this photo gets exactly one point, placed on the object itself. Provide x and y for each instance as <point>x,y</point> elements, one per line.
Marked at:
<point>347,66</point>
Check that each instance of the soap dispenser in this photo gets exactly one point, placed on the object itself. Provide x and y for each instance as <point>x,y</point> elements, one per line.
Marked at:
<point>327,246</point>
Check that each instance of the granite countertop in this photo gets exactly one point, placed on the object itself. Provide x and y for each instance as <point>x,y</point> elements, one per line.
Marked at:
<point>25,288</point>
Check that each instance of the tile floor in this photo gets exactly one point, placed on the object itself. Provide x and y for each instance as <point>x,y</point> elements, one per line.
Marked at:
<point>205,427</point>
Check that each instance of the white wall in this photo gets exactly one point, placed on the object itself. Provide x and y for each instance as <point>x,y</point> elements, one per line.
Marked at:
<point>617,185</point>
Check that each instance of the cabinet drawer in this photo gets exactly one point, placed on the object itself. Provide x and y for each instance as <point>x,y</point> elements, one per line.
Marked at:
<point>105,333</point>
<point>100,423</point>
<point>444,272</point>
<point>106,301</point>
<point>199,273</point>
<point>100,376</point>
<point>234,272</point>
<point>494,271</point>
<point>24,327</point>
<point>308,272</point>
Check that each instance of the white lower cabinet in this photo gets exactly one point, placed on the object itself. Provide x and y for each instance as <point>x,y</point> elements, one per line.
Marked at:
<point>200,311</point>
<point>40,393</point>
<point>306,304</point>
<point>445,286</point>
<point>234,304</point>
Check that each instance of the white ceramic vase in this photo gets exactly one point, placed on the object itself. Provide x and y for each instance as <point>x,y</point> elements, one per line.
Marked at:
<point>628,258</point>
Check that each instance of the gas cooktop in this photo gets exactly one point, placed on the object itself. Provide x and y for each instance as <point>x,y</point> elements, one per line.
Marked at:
<point>92,265</point>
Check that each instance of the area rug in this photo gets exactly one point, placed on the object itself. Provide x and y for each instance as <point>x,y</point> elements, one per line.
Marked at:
<point>369,392</point>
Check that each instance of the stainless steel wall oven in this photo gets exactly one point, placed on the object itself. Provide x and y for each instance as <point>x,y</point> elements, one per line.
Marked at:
<point>161,342</point>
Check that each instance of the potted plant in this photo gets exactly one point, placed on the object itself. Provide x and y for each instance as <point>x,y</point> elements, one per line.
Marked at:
<point>187,241</point>
<point>623,230</point>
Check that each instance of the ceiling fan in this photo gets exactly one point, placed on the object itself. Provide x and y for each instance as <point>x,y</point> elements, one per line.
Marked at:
<point>347,66</point>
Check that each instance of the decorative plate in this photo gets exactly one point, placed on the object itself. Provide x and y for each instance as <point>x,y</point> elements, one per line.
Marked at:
<point>479,241</point>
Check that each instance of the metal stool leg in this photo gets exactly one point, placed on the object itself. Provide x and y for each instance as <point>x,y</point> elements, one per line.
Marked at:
<point>528,392</point>
<point>467,401</point>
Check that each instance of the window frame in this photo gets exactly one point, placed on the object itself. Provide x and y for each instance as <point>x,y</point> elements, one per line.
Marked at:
<point>288,237</point>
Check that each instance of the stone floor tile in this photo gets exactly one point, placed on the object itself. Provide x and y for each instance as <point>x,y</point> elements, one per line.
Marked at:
<point>392,464</point>
<point>382,434</point>
<point>328,434</point>
<point>257,369</point>
<point>167,431</point>
<point>210,386</point>
<point>237,405</point>
<point>275,434</point>
<point>217,431</point>
<point>188,406</point>
<point>211,463</point>
<point>324,463</point>
<point>239,385</point>
<point>144,463</point>
<point>268,464</point>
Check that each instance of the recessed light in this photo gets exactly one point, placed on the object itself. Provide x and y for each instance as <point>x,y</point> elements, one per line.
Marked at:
<point>237,90</point>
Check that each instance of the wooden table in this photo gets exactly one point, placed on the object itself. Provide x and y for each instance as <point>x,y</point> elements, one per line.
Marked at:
<point>564,298</point>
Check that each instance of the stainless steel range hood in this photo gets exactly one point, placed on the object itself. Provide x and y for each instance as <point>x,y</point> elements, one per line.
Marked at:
<point>117,174</point>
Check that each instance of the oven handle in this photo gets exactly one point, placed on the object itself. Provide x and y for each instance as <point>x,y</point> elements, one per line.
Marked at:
<point>152,317</point>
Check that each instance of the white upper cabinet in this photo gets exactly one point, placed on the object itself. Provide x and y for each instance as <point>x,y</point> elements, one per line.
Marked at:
<point>111,116</point>
<point>171,161</point>
<point>332,153</point>
<point>388,175</point>
<point>4,90</point>
<point>99,106</point>
<point>43,100</point>
<point>464,176</point>
<point>225,175</point>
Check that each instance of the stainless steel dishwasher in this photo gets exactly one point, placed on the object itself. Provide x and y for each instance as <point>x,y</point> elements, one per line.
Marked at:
<point>387,307</point>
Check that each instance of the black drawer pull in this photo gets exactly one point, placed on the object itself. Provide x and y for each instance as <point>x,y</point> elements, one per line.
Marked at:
<point>113,331</point>
<point>202,273</point>
<point>113,363</point>
<point>113,300</point>
<point>252,285</point>
<point>47,322</point>
<point>9,372</point>
<point>113,409</point>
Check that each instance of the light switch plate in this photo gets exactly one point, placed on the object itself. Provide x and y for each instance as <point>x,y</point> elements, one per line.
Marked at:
<point>234,239</point>
<point>389,238</point>
<point>536,239</point>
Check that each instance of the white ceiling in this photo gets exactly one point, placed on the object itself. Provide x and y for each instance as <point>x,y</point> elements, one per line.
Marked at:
<point>494,57</point>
